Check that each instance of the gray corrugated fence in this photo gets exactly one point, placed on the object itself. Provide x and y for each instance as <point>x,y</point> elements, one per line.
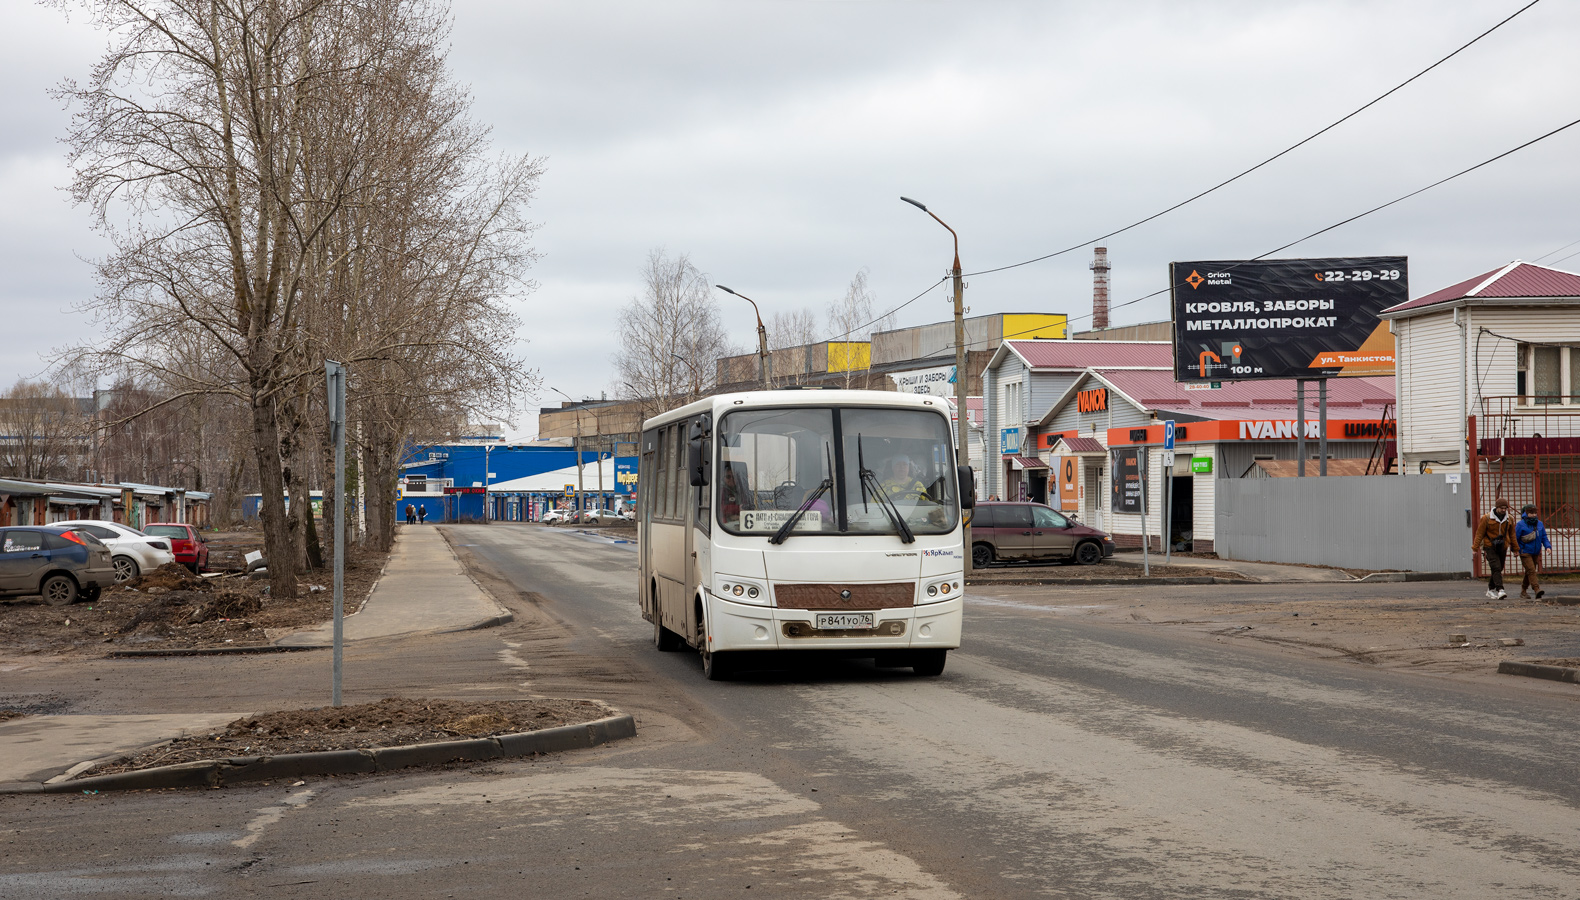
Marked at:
<point>1363,522</point>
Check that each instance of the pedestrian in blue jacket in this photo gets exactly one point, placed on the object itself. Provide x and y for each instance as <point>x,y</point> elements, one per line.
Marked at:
<point>1531,537</point>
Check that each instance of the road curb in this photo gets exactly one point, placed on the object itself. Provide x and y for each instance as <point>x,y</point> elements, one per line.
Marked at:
<point>1533,670</point>
<point>213,651</point>
<point>1136,580</point>
<point>1376,577</point>
<point>217,773</point>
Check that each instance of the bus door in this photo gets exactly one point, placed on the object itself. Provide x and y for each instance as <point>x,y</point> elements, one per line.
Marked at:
<point>699,467</point>
<point>644,546</point>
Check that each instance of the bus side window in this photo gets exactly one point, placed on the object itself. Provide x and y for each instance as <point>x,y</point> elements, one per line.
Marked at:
<point>678,481</point>
<point>661,493</point>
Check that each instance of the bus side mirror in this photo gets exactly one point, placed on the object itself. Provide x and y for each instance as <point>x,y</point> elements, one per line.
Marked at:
<point>698,459</point>
<point>968,487</point>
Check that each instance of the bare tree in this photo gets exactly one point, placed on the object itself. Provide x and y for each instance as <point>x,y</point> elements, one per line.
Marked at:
<point>287,181</point>
<point>793,328</point>
<point>43,432</point>
<point>669,336</point>
<point>854,317</point>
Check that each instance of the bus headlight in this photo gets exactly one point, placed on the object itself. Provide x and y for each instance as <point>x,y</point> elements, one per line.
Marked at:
<point>942,589</point>
<point>741,590</point>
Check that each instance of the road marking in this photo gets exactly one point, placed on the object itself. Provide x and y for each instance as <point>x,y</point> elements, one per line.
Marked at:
<point>271,815</point>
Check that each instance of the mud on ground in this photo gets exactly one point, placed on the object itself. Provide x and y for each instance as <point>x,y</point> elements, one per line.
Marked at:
<point>1031,573</point>
<point>392,722</point>
<point>171,608</point>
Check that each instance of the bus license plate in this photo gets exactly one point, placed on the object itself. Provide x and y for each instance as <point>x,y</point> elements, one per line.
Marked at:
<point>843,621</point>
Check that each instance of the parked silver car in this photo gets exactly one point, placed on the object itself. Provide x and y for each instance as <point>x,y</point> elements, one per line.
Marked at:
<point>132,552</point>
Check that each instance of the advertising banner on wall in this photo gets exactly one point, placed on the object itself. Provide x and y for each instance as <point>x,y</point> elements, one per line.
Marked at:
<point>1242,320</point>
<point>939,382</point>
<point>1068,471</point>
<point>1130,487</point>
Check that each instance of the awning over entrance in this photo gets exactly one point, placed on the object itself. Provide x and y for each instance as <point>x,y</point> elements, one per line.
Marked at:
<point>1022,463</point>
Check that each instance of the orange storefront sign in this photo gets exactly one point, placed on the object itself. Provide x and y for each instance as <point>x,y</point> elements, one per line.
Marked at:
<point>1251,430</point>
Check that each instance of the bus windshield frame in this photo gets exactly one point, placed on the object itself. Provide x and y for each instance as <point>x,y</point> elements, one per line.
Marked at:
<point>853,467</point>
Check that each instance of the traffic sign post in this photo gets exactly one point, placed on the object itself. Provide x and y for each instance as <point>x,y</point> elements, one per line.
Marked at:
<point>1168,489</point>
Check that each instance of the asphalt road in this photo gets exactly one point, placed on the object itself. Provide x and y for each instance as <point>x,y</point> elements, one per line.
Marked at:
<point>1054,758</point>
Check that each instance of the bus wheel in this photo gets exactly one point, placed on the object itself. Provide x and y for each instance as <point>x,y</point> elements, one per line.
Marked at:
<point>928,662</point>
<point>715,666</point>
<point>665,640</point>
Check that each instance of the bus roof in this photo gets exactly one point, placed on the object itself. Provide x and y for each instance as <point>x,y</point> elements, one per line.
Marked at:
<point>720,403</point>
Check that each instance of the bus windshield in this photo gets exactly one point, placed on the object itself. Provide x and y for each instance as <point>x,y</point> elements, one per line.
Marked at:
<point>774,461</point>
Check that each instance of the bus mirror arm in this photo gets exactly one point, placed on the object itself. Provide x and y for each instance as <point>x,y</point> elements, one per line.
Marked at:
<point>968,487</point>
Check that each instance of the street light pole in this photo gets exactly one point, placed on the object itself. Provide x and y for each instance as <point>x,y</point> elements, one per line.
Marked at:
<point>762,338</point>
<point>962,414</point>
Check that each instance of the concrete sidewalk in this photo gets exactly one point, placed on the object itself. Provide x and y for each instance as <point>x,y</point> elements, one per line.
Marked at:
<point>1256,571</point>
<point>424,589</point>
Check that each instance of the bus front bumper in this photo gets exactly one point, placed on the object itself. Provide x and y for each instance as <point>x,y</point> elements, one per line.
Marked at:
<point>743,626</point>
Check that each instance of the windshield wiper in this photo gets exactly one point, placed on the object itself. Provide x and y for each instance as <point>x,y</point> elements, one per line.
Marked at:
<point>869,481</point>
<point>827,485</point>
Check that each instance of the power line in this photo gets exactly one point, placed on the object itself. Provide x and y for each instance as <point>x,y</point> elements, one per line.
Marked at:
<point>1368,212</point>
<point>892,311</point>
<point>1559,250</point>
<point>1272,158</point>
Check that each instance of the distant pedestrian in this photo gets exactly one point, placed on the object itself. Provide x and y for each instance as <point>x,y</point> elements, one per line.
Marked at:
<point>1531,537</point>
<point>1494,535</point>
<point>411,514</point>
<point>422,514</point>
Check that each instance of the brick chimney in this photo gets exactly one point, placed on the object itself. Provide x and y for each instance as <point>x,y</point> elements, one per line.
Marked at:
<point>1100,289</point>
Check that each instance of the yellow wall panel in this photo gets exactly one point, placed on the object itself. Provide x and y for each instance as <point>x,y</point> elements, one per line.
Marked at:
<point>849,356</point>
<point>1025,326</point>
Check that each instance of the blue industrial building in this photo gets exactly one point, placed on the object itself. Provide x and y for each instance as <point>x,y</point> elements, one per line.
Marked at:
<point>449,480</point>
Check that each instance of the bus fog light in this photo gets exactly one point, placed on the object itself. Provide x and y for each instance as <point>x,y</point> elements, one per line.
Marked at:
<point>738,590</point>
<point>945,587</point>
<point>932,590</point>
<point>896,628</point>
<point>752,593</point>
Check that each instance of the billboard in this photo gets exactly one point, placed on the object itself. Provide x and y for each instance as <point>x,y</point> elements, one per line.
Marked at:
<point>1284,318</point>
<point>1129,479</point>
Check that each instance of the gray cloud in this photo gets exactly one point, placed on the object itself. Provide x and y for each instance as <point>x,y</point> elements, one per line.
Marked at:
<point>771,141</point>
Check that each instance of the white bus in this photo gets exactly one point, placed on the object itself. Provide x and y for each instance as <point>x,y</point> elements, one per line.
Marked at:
<point>803,520</point>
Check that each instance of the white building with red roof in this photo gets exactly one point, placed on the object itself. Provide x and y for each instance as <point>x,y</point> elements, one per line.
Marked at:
<point>1504,341</point>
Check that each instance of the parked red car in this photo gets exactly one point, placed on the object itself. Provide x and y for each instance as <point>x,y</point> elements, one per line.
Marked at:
<point>185,542</point>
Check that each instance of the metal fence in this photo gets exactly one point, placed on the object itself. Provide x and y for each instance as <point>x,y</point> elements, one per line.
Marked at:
<point>1530,453</point>
<point>1415,523</point>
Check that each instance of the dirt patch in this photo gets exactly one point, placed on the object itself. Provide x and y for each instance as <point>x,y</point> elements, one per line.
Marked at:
<point>1567,662</point>
<point>392,722</point>
<point>171,608</point>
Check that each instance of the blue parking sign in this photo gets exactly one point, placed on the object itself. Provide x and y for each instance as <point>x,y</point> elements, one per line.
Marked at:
<point>1168,435</point>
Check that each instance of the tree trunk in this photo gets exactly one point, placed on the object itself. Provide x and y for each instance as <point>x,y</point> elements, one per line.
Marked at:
<point>277,549</point>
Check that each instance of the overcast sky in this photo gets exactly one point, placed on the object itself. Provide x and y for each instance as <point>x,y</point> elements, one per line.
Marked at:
<point>771,141</point>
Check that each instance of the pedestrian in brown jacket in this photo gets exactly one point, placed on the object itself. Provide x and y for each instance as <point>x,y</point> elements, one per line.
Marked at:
<point>1494,537</point>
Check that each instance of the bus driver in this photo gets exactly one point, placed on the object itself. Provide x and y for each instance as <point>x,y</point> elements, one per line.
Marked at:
<point>900,484</point>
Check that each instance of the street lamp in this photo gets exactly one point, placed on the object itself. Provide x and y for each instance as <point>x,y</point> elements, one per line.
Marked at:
<point>578,446</point>
<point>762,337</point>
<point>962,417</point>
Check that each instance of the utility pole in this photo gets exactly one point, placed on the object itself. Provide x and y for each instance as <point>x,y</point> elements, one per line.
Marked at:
<point>962,416</point>
<point>335,375</point>
<point>578,447</point>
<point>762,339</point>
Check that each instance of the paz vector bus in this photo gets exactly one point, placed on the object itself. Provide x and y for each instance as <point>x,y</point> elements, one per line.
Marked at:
<point>803,521</point>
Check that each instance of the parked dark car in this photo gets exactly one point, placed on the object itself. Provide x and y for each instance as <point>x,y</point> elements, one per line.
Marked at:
<point>60,564</point>
<point>1013,532</point>
<point>185,542</point>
